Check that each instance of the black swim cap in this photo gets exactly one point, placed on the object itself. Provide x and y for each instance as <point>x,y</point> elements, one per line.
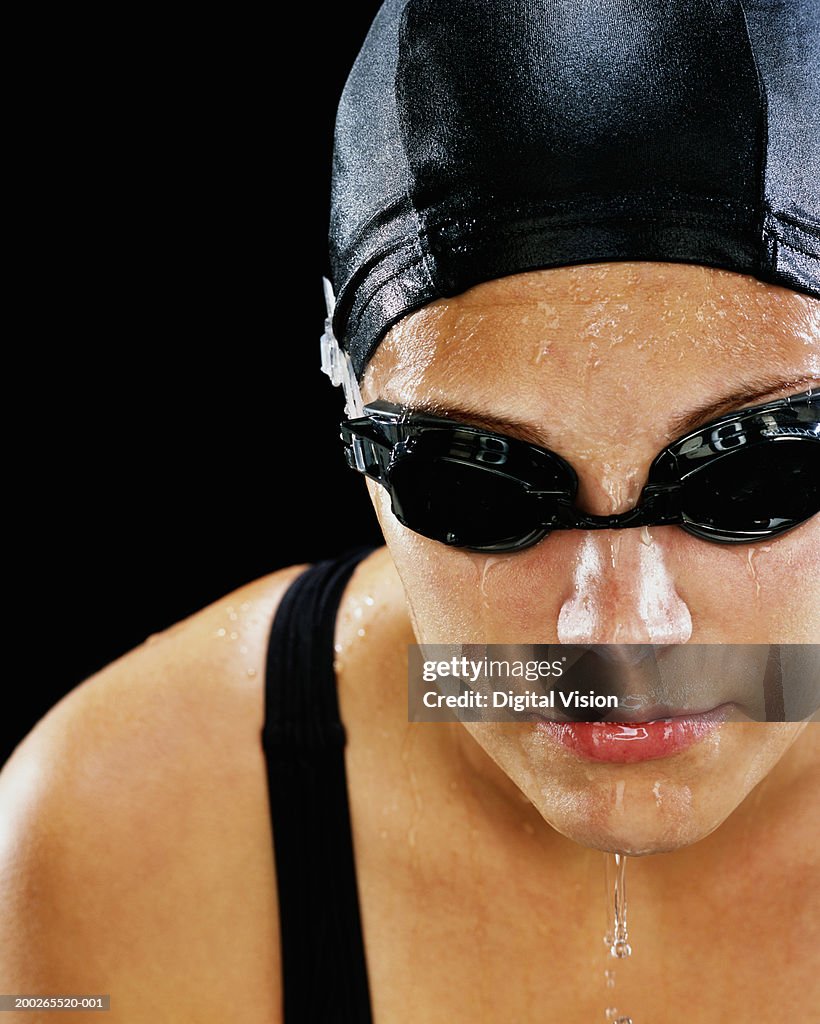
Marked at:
<point>479,138</point>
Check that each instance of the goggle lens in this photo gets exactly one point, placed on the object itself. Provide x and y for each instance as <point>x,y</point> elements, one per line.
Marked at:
<point>764,489</point>
<point>459,503</point>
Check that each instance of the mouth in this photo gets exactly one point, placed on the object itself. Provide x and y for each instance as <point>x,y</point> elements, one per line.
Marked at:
<point>631,742</point>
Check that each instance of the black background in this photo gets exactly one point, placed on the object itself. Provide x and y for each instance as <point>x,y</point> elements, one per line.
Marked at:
<point>176,428</point>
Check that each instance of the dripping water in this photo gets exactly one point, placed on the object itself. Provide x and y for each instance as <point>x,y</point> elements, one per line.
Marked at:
<point>620,947</point>
<point>750,563</point>
<point>485,597</point>
<point>617,936</point>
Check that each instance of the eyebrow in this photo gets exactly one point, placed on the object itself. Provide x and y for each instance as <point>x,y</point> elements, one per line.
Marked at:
<point>748,394</point>
<point>470,416</point>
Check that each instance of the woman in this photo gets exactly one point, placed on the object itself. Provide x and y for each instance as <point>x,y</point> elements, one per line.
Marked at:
<point>589,229</point>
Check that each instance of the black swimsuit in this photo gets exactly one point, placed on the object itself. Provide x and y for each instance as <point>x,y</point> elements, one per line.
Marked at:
<point>324,972</point>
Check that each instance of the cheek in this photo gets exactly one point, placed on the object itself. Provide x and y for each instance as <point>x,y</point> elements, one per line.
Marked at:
<point>456,596</point>
<point>751,593</point>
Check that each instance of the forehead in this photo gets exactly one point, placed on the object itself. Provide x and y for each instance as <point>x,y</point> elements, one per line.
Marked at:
<point>594,332</point>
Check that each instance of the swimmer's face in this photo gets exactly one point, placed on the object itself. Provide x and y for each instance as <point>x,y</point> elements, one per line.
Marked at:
<point>599,361</point>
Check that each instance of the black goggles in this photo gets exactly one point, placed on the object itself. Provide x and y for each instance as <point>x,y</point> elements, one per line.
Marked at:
<point>746,476</point>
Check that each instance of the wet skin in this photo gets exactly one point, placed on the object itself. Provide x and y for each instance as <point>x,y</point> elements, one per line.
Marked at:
<point>135,849</point>
<point>604,364</point>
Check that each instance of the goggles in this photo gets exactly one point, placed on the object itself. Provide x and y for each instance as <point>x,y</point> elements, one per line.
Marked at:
<point>745,477</point>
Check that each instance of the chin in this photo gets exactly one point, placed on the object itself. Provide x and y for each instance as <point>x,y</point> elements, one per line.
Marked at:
<point>637,816</point>
<point>635,840</point>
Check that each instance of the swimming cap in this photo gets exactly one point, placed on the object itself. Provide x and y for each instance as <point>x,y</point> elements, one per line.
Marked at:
<point>479,138</point>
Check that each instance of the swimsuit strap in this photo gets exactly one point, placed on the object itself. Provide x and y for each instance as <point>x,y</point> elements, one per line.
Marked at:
<point>324,971</point>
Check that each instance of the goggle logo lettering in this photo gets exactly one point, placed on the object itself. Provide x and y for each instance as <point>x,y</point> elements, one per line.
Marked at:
<point>726,438</point>
<point>794,431</point>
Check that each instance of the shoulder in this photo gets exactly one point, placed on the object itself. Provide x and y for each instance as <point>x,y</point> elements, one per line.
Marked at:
<point>129,805</point>
<point>373,630</point>
<point>372,622</point>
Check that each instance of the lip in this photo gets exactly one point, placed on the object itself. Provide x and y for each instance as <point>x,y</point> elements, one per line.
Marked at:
<point>631,742</point>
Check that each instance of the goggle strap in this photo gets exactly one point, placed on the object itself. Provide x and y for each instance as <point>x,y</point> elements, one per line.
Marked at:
<point>336,363</point>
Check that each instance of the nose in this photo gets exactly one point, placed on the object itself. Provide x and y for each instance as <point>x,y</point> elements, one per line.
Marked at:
<point>622,592</point>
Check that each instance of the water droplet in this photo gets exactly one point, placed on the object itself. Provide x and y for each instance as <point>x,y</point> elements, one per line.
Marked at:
<point>245,606</point>
<point>613,550</point>
<point>251,672</point>
<point>233,616</point>
<point>233,635</point>
<point>488,564</point>
<point>369,600</point>
<point>750,561</point>
<point>360,632</point>
<point>221,632</point>
<point>337,648</point>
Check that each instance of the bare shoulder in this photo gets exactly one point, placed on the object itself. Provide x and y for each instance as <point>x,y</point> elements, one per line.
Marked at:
<point>135,850</point>
<point>372,624</point>
<point>373,629</point>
